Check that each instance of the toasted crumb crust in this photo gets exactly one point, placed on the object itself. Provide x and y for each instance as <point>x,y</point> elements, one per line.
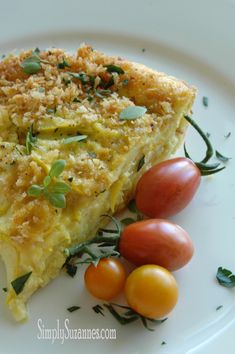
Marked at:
<point>102,170</point>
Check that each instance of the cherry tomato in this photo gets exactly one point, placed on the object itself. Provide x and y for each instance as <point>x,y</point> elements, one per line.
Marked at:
<point>151,291</point>
<point>156,241</point>
<point>106,280</point>
<point>167,188</point>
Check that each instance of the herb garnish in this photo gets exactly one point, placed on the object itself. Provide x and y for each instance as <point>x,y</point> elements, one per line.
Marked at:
<point>128,315</point>
<point>73,308</point>
<point>101,93</point>
<point>219,307</point>
<point>31,65</point>
<point>141,163</point>
<point>19,283</point>
<point>227,135</point>
<point>222,157</point>
<point>4,289</point>
<point>76,100</point>
<point>30,140</point>
<point>64,64</point>
<point>132,112</point>
<point>84,78</point>
<point>98,309</point>
<point>163,342</point>
<point>107,84</point>
<point>114,69</point>
<point>205,101</point>
<point>74,139</point>
<point>54,192</point>
<point>225,277</point>
<point>205,169</point>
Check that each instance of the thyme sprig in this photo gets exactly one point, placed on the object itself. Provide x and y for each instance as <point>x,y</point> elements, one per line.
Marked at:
<point>128,315</point>
<point>205,169</point>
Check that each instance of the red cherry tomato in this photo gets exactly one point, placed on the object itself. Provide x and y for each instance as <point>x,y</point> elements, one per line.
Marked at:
<point>167,188</point>
<point>156,241</point>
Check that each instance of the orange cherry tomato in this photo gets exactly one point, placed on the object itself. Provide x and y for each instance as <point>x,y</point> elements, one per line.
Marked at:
<point>156,241</point>
<point>167,188</point>
<point>151,291</point>
<point>106,280</point>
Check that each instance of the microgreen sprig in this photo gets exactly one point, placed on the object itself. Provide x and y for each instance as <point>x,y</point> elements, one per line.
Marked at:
<point>53,191</point>
<point>205,169</point>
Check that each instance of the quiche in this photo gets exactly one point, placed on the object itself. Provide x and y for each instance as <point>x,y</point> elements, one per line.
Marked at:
<point>107,120</point>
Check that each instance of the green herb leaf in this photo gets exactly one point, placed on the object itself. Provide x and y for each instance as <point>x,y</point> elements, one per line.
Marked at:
<point>47,181</point>
<point>114,69</point>
<point>141,163</point>
<point>163,343</point>
<point>35,190</point>
<point>81,76</point>
<point>225,277</point>
<point>132,112</point>
<point>60,187</point>
<point>19,283</point>
<point>109,83</point>
<point>4,289</point>
<point>128,221</point>
<point>228,135</point>
<point>31,65</point>
<point>64,64</point>
<point>73,308</point>
<point>132,206</point>
<point>74,139</point>
<point>205,101</point>
<point>56,199</point>
<point>221,157</point>
<point>219,307</point>
<point>57,168</point>
<point>98,309</point>
<point>30,140</point>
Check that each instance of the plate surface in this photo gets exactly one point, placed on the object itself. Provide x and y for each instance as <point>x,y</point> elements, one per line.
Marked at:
<point>191,40</point>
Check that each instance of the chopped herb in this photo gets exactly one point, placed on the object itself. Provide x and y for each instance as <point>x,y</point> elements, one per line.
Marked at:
<point>19,283</point>
<point>114,69</point>
<point>219,307</point>
<point>228,135</point>
<point>54,192</point>
<point>70,179</point>
<point>208,134</point>
<point>66,81</point>
<point>163,342</point>
<point>225,277</point>
<point>76,100</point>
<point>141,163</point>
<point>74,139</point>
<point>51,110</point>
<point>128,221</point>
<point>30,140</point>
<point>98,309</point>
<point>128,315</point>
<point>92,155</point>
<point>64,64</point>
<point>221,157</point>
<point>31,65</point>
<point>101,93</point>
<point>132,112</point>
<point>73,308</point>
<point>4,289</point>
<point>125,82</point>
<point>81,76</point>
<point>143,50</point>
<point>109,83</point>
<point>205,101</point>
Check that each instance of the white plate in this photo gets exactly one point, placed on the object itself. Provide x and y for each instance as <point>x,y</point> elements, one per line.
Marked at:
<point>193,40</point>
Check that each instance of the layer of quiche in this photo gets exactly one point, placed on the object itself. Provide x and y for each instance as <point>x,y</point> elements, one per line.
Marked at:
<point>80,94</point>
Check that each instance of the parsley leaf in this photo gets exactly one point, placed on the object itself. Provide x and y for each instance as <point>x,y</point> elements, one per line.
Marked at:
<point>114,69</point>
<point>225,277</point>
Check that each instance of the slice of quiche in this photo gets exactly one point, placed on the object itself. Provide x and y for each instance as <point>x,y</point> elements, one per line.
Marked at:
<point>107,119</point>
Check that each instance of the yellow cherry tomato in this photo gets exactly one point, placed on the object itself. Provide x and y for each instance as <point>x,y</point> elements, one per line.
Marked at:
<point>106,280</point>
<point>151,291</point>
